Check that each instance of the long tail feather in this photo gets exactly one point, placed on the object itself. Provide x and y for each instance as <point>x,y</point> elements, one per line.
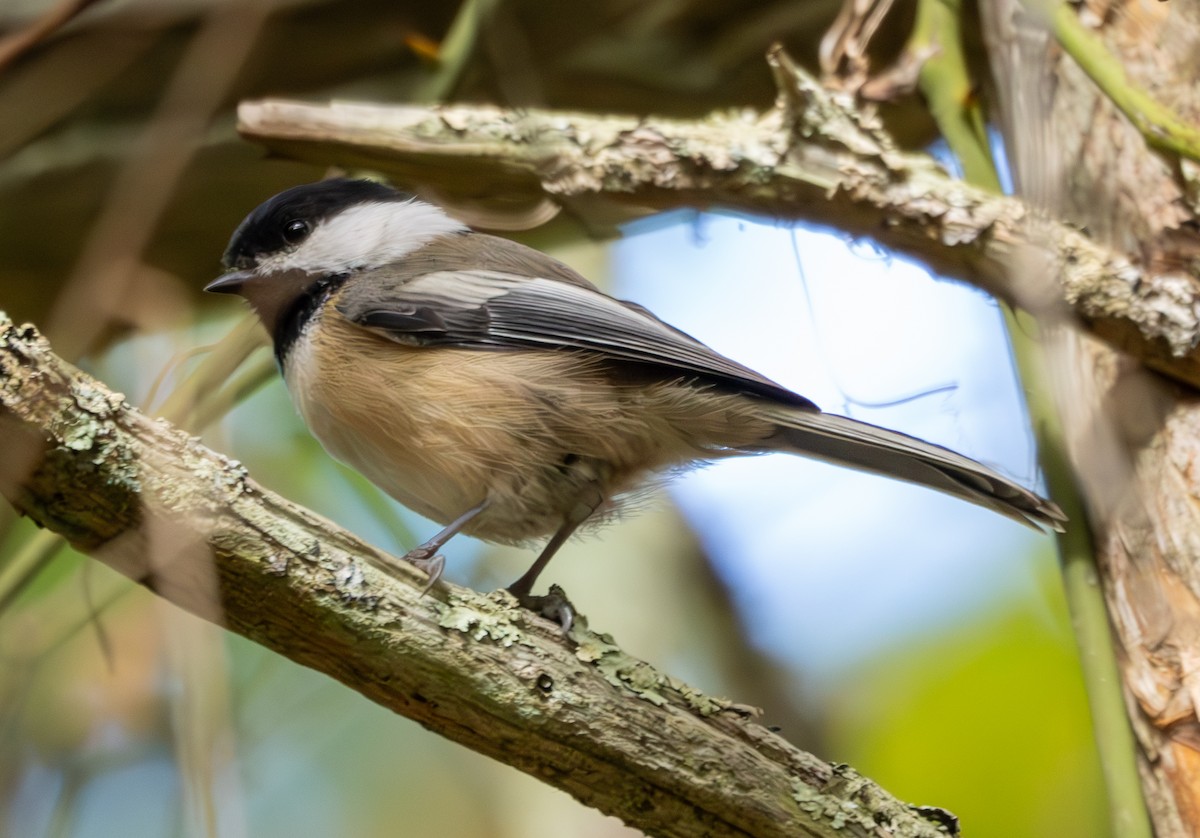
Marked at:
<point>843,441</point>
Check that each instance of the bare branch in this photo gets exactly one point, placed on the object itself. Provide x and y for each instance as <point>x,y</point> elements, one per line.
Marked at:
<point>813,157</point>
<point>578,714</point>
<point>13,47</point>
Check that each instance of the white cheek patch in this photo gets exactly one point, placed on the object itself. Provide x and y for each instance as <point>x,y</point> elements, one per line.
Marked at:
<point>365,236</point>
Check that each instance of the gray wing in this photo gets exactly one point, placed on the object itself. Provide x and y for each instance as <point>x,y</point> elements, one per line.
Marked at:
<point>496,309</point>
<point>487,300</point>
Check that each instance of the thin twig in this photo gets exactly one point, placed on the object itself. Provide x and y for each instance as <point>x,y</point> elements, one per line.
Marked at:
<point>946,84</point>
<point>456,50</point>
<point>14,46</point>
<point>1158,124</point>
<point>101,282</point>
<point>31,558</point>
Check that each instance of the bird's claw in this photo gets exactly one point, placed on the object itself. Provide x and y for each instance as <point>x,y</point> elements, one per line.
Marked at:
<point>432,563</point>
<point>553,606</point>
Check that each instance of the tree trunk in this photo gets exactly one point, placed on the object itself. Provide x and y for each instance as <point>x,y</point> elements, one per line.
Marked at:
<point>1132,437</point>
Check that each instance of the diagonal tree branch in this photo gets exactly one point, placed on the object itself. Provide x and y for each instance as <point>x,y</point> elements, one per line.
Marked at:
<point>577,713</point>
<point>812,157</point>
<point>13,47</point>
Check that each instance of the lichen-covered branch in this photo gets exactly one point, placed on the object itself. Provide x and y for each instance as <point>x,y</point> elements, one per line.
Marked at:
<point>812,157</point>
<point>577,713</point>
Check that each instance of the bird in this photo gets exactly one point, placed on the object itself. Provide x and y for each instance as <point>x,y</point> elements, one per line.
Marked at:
<point>493,389</point>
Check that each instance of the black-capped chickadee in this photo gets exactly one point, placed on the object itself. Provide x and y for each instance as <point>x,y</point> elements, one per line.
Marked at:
<point>494,390</point>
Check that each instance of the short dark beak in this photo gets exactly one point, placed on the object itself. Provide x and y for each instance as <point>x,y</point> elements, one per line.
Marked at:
<point>230,283</point>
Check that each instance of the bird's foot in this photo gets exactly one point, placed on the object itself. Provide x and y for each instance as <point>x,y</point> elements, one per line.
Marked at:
<point>428,560</point>
<point>553,606</point>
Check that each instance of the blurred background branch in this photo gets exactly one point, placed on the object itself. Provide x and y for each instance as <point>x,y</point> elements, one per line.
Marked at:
<point>13,46</point>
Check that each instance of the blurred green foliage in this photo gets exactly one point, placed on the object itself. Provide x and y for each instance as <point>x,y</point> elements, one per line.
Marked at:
<point>989,720</point>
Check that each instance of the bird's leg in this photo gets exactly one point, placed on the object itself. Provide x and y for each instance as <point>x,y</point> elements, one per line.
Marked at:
<point>426,556</point>
<point>554,606</point>
<point>523,586</point>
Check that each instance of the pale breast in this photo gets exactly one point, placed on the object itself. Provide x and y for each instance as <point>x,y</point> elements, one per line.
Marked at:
<point>532,431</point>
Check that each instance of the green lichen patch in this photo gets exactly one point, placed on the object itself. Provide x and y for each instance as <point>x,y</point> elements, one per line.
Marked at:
<point>849,799</point>
<point>831,810</point>
<point>629,673</point>
<point>619,669</point>
<point>485,617</point>
<point>698,702</point>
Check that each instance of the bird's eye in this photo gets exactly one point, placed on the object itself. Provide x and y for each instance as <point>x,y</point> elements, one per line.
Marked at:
<point>295,230</point>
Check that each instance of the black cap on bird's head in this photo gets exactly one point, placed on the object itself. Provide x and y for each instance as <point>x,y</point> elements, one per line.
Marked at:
<point>285,220</point>
<point>308,234</point>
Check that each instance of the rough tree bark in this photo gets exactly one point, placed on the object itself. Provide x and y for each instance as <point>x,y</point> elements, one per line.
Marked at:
<point>1133,440</point>
<point>575,712</point>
